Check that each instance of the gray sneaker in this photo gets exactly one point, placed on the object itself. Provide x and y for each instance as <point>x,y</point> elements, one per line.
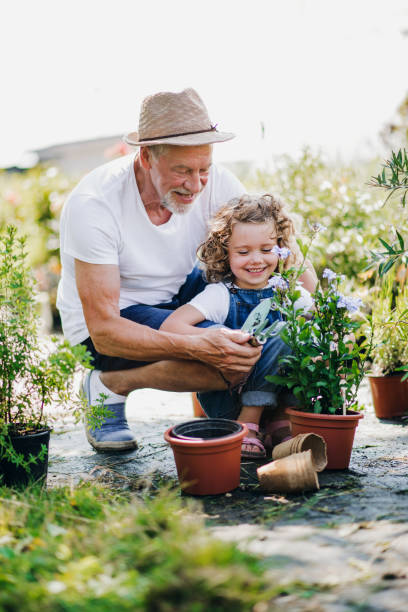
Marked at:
<point>114,433</point>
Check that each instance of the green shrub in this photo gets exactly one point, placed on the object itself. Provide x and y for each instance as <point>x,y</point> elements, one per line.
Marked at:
<point>33,201</point>
<point>338,197</point>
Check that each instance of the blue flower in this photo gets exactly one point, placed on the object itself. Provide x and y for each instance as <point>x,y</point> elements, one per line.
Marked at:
<point>316,227</point>
<point>277,282</point>
<point>281,252</point>
<point>329,274</point>
<point>352,304</point>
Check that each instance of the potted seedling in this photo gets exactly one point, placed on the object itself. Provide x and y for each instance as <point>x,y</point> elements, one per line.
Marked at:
<point>390,350</point>
<point>33,375</point>
<point>326,364</point>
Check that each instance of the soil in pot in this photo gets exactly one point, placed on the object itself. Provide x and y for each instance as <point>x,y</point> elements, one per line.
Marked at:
<point>30,443</point>
<point>207,454</point>
<point>337,430</point>
<point>390,396</point>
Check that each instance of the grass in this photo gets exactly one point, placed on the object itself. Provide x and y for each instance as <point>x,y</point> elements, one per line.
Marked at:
<point>93,549</point>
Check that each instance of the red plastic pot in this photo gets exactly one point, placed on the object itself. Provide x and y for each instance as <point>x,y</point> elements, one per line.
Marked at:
<point>207,466</point>
<point>390,396</point>
<point>337,431</point>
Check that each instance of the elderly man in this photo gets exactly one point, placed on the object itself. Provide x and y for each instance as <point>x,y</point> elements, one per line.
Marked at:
<point>129,234</point>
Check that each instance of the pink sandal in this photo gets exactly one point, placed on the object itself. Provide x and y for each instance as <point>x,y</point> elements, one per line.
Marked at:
<point>253,442</point>
<point>276,432</point>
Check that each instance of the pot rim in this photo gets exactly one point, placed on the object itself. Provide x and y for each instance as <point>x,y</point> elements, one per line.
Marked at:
<point>30,432</point>
<point>351,415</point>
<point>212,442</point>
<point>393,375</point>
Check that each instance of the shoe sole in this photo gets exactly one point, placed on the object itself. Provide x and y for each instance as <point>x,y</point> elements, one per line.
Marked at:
<point>104,446</point>
<point>110,446</point>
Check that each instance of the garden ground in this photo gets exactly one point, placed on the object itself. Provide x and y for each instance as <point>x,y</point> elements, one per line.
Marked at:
<point>344,547</point>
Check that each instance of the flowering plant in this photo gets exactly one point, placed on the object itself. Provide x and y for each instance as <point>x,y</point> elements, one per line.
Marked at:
<point>326,364</point>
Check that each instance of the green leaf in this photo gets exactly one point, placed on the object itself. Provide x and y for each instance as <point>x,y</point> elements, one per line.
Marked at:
<point>387,246</point>
<point>400,240</point>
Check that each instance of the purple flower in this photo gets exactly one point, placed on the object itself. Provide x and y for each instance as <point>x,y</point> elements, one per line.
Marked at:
<point>277,282</point>
<point>329,274</point>
<point>316,227</point>
<point>281,252</point>
<point>352,304</point>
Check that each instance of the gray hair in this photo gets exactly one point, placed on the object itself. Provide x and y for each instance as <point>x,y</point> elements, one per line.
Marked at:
<point>158,150</point>
<point>161,149</point>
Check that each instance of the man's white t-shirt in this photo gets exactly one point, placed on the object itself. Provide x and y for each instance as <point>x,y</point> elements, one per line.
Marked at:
<point>214,301</point>
<point>104,221</point>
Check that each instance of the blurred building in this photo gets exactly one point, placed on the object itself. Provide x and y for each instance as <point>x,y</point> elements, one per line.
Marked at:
<point>76,158</point>
<point>73,158</point>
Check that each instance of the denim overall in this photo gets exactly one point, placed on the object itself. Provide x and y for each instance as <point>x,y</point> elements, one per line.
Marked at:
<point>256,391</point>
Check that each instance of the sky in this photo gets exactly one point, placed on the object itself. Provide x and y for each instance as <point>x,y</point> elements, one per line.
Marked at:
<point>323,73</point>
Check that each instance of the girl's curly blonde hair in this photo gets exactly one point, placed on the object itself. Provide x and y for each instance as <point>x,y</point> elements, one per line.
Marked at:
<point>213,253</point>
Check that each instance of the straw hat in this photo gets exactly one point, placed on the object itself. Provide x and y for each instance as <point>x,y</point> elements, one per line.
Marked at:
<point>176,119</point>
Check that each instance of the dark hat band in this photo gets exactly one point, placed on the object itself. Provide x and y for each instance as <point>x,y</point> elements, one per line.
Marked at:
<point>213,129</point>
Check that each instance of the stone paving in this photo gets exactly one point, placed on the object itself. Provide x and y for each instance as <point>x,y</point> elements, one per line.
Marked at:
<point>344,547</point>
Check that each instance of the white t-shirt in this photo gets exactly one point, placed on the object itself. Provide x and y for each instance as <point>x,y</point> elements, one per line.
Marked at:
<point>214,301</point>
<point>104,221</point>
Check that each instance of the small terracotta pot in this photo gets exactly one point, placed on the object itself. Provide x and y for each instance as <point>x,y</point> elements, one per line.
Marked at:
<point>290,474</point>
<point>301,443</point>
<point>336,430</point>
<point>197,409</point>
<point>390,396</point>
<point>208,466</point>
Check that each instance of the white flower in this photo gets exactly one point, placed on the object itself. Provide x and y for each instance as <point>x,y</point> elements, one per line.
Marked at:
<point>56,586</point>
<point>281,252</point>
<point>325,185</point>
<point>329,274</point>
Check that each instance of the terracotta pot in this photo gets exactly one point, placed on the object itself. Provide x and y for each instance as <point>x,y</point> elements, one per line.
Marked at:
<point>197,409</point>
<point>390,396</point>
<point>290,474</point>
<point>337,431</point>
<point>208,465</point>
<point>28,444</point>
<point>301,443</point>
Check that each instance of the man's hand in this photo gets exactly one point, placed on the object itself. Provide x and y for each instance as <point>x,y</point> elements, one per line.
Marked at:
<point>227,350</point>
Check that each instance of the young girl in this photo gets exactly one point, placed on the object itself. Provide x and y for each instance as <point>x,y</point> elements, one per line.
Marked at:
<point>241,253</point>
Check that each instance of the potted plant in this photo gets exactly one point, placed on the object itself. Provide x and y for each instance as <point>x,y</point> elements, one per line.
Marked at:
<point>326,364</point>
<point>33,375</point>
<point>389,353</point>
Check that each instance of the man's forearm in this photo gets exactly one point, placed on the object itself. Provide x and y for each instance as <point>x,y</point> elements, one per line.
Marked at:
<point>130,340</point>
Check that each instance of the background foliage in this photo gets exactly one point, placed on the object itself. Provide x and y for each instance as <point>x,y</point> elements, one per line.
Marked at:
<point>339,197</point>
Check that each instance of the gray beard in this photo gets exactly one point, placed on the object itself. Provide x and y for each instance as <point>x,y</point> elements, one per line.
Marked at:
<point>170,203</point>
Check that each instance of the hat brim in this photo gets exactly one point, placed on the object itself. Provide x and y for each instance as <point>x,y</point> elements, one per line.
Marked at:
<point>188,140</point>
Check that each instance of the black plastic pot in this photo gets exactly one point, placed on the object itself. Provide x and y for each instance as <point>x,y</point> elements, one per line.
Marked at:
<point>16,476</point>
<point>206,429</point>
